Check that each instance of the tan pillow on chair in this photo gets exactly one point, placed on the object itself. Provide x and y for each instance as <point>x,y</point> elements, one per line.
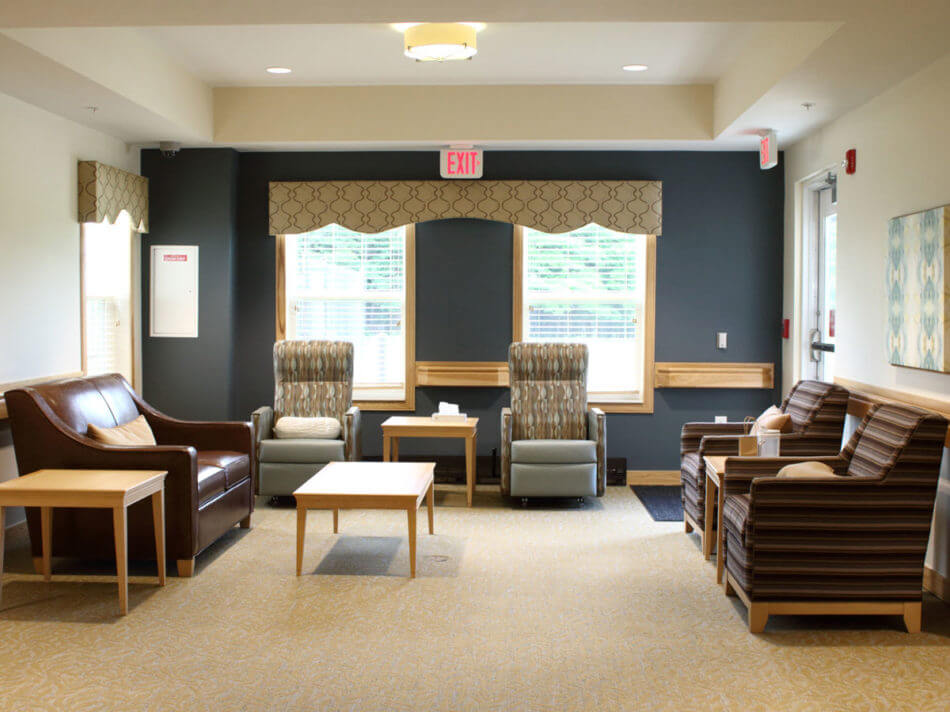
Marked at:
<point>772,419</point>
<point>805,470</point>
<point>135,432</point>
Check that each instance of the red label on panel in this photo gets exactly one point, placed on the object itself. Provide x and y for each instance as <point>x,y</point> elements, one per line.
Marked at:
<point>174,258</point>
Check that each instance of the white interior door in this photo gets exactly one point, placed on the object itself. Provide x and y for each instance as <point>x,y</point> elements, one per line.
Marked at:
<point>820,313</point>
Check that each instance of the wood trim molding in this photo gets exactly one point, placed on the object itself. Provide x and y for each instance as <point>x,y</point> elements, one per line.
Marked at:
<point>937,584</point>
<point>715,375</point>
<point>4,387</point>
<point>653,477</point>
<point>280,280</point>
<point>517,283</point>
<point>864,395</point>
<point>462,373</point>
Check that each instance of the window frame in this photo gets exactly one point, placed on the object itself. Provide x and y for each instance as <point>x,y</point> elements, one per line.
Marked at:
<point>134,306</point>
<point>649,323</point>
<point>408,402</point>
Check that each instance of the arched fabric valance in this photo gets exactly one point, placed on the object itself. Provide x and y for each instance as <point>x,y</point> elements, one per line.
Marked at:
<point>548,205</point>
<point>105,191</point>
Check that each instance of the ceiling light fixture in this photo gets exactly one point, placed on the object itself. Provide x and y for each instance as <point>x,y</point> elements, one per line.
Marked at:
<point>279,70</point>
<point>635,67</point>
<point>440,41</point>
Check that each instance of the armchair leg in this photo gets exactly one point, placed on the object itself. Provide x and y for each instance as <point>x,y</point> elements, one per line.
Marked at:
<point>246,522</point>
<point>758,617</point>
<point>687,526</point>
<point>912,617</point>
<point>186,567</point>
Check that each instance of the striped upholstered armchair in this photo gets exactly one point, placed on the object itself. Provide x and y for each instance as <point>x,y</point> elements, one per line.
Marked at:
<point>817,413</point>
<point>853,542</point>
<point>311,379</point>
<point>552,444</point>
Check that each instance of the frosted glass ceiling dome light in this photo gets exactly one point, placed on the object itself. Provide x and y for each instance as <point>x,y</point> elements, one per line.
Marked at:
<point>440,41</point>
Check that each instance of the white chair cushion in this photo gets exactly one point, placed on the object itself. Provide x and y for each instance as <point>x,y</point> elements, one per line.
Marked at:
<point>291,427</point>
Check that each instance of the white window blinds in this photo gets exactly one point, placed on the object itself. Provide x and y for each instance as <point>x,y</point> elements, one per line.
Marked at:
<point>589,286</point>
<point>349,286</point>
<point>107,297</point>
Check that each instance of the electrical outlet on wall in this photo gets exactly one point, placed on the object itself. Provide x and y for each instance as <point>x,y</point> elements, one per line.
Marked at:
<point>721,337</point>
<point>722,419</point>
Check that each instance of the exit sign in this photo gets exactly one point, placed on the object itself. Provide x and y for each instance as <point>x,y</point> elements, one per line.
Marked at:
<point>768,150</point>
<point>461,163</point>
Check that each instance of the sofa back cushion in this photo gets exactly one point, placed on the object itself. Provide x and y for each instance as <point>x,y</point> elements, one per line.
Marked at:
<point>103,401</point>
<point>313,379</point>
<point>548,391</point>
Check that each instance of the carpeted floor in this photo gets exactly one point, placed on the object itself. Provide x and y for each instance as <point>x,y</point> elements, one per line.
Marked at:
<point>582,608</point>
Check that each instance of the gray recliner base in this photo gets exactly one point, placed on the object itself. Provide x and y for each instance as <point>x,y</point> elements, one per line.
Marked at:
<point>564,480</point>
<point>276,479</point>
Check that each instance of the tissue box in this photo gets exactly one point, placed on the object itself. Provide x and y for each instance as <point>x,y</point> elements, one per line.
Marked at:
<point>450,418</point>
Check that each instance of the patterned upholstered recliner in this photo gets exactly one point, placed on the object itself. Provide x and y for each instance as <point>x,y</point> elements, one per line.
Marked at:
<point>552,445</point>
<point>311,379</point>
<point>854,543</point>
<point>817,412</point>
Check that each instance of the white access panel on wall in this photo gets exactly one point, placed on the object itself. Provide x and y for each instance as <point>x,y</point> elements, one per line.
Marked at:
<point>174,291</point>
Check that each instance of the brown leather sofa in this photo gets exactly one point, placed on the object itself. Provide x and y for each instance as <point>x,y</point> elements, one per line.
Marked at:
<point>208,490</point>
<point>836,545</point>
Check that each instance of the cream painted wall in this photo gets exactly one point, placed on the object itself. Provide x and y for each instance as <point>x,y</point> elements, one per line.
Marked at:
<point>903,150</point>
<point>39,244</point>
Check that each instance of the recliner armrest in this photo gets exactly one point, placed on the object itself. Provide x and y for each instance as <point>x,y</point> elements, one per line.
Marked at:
<point>263,419</point>
<point>597,431</point>
<point>352,445</point>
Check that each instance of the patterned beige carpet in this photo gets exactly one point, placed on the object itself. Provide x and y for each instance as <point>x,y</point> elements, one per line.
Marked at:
<point>593,608</point>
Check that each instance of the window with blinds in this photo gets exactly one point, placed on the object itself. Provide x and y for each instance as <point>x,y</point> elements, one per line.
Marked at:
<point>107,326</point>
<point>589,286</point>
<point>343,285</point>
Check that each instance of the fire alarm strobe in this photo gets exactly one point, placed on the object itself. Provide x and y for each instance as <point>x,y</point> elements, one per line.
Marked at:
<point>768,150</point>
<point>850,161</point>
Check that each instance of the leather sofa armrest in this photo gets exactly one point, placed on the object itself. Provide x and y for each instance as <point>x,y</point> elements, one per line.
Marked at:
<point>693,433</point>
<point>742,471</point>
<point>506,431</point>
<point>597,431</point>
<point>352,445</point>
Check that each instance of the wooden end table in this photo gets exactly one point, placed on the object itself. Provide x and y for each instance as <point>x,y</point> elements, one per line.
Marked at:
<point>109,489</point>
<point>715,496</point>
<point>401,426</point>
<point>367,485</point>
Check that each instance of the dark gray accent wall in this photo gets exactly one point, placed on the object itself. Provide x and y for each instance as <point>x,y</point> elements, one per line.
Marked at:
<point>193,201</point>
<point>719,268</point>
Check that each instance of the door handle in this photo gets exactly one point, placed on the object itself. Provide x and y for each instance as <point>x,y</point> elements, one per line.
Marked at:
<point>814,337</point>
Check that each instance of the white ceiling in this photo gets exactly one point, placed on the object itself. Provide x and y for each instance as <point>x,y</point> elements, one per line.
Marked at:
<point>509,53</point>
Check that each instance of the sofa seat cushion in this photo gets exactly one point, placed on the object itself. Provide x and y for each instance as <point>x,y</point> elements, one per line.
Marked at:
<point>554,451</point>
<point>301,450</point>
<point>212,481</point>
<point>735,513</point>
<point>236,465</point>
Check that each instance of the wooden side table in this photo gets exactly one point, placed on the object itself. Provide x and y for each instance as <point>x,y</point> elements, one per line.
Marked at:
<point>110,489</point>
<point>715,495</point>
<point>419,427</point>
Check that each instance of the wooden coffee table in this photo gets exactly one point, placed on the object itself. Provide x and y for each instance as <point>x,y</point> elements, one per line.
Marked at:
<point>402,426</point>
<point>367,485</point>
<point>109,489</point>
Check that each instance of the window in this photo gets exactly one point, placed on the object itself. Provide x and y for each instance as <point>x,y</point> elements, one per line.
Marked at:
<point>106,286</point>
<point>341,285</point>
<point>592,286</point>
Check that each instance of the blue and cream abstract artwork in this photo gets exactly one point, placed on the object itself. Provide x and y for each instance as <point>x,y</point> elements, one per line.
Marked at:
<point>918,290</point>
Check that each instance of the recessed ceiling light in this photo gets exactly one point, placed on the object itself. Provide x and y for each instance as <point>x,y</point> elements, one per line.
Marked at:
<point>279,70</point>
<point>403,26</point>
<point>635,67</point>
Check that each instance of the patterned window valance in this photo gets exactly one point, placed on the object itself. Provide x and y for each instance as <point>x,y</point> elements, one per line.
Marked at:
<point>105,191</point>
<point>548,205</point>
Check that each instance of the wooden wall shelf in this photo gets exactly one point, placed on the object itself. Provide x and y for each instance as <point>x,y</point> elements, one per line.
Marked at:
<point>715,375</point>
<point>493,374</point>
